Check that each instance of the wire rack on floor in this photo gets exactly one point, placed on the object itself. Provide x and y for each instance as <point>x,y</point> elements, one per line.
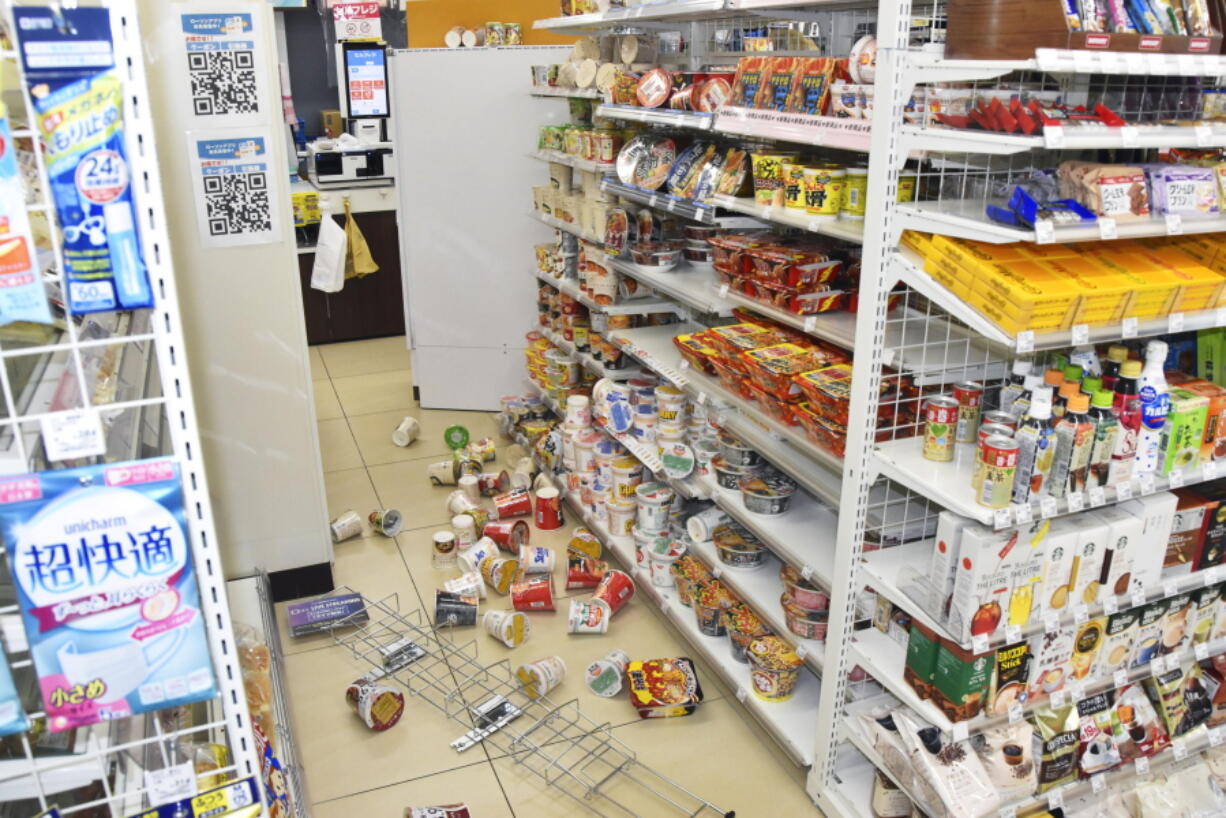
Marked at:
<point>554,741</point>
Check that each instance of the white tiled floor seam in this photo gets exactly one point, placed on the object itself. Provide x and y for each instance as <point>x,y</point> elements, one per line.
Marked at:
<point>367,385</point>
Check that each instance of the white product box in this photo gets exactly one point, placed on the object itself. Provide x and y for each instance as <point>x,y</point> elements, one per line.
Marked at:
<point>942,570</point>
<point>999,580</point>
<point>1062,540</point>
<point>1125,553</point>
<point>1157,513</point>
<point>1093,535</point>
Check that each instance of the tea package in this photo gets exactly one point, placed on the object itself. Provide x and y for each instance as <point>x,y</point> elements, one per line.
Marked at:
<point>1056,738</point>
<point>1097,750</point>
<point>1138,731</point>
<point>1007,755</point>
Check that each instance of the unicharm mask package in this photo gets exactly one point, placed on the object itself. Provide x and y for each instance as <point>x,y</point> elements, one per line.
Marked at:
<point>78,101</point>
<point>101,562</point>
<point>21,288</point>
<point>13,717</point>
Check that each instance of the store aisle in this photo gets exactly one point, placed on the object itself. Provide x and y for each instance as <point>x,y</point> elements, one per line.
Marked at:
<point>362,390</point>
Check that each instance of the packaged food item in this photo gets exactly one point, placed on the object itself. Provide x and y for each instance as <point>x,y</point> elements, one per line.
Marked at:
<point>943,567</point>
<point>1176,625</point>
<point>961,680</point>
<point>663,688</point>
<point>811,86</point>
<point>1190,192</point>
<point>778,81</point>
<point>1097,751</point>
<point>1119,634</point>
<point>446,811</point>
<point>1063,565</point>
<point>541,676</point>
<point>1149,633</point>
<point>584,572</point>
<point>1087,642</point>
<point>1092,539</point>
<point>950,774</point>
<point>1007,755</point>
<point>1127,563</point>
<point>1204,613</point>
<point>1138,732</point>
<point>1166,691</point>
<point>923,647</point>
<point>748,82</point>
<point>1050,669</point>
<point>999,579</point>
<point>1056,739</point>
<point>1184,431</point>
<point>1187,533</point>
<point>80,109</point>
<point>1010,678</point>
<point>379,706</point>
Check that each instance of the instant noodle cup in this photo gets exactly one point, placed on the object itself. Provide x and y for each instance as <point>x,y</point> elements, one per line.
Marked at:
<point>492,483</point>
<point>604,676</point>
<point>499,572</point>
<point>661,688</point>
<point>768,177</point>
<point>443,811</point>
<point>443,549</point>
<point>548,509</point>
<point>804,623</point>
<point>468,584</point>
<point>802,592</point>
<point>743,626</point>
<point>484,449</point>
<point>793,175</point>
<point>616,589</point>
<point>584,572</point>
<point>514,503</point>
<point>627,476</point>
<point>406,431</point>
<point>621,519</point>
<point>584,542</point>
<point>588,616</point>
<point>471,488</point>
<point>379,706</point>
<point>536,559</point>
<point>541,676</point>
<point>738,547</point>
<point>385,521</point>
<point>688,574</point>
<point>347,525</point>
<point>511,628</point>
<point>823,191</point>
<point>465,529</point>
<point>508,535</point>
<point>664,552</point>
<point>642,544</point>
<point>774,668</point>
<point>458,502</point>
<point>443,472</point>
<point>533,593</point>
<point>654,503</point>
<point>454,610</point>
<point>710,600</point>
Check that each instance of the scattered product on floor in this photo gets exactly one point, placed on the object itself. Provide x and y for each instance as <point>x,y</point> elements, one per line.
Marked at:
<point>386,522</point>
<point>346,526</point>
<point>406,431</point>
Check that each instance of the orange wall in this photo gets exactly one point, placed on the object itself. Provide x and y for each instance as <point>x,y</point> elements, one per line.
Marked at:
<point>430,19</point>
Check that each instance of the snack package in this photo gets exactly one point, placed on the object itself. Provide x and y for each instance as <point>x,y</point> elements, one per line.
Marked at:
<point>1056,738</point>
<point>1007,755</point>
<point>1097,752</point>
<point>1138,731</point>
<point>1116,191</point>
<point>80,109</point>
<point>1190,192</point>
<point>22,297</point>
<point>811,87</point>
<point>661,688</point>
<point>747,84</point>
<point>777,83</point>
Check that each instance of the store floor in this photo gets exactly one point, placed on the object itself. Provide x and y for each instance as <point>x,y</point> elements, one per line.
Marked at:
<point>362,390</point>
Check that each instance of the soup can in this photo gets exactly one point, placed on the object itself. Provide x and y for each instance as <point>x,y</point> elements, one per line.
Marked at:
<point>347,525</point>
<point>1000,418</point>
<point>588,616</point>
<point>533,593</point>
<point>987,430</point>
<point>616,589</point>
<point>508,535</point>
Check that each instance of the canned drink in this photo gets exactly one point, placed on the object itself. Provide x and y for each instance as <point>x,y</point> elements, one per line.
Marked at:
<point>987,430</point>
<point>471,488</point>
<point>616,589</point>
<point>386,522</point>
<point>969,396</point>
<point>511,628</point>
<point>347,525</point>
<point>443,553</point>
<point>1001,418</point>
<point>509,535</point>
<point>940,423</point>
<point>588,616</point>
<point>548,510</point>
<point>541,676</point>
<point>995,472</point>
<point>534,593</point>
<point>406,431</point>
<point>536,559</point>
<point>454,610</point>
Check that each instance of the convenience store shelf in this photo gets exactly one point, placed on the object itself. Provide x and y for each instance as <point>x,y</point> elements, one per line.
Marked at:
<point>791,723</point>
<point>557,91</point>
<point>685,208</point>
<point>695,120</point>
<point>574,161</point>
<point>949,484</point>
<point>586,360</point>
<point>825,131</point>
<point>566,227</point>
<point>907,267</point>
<point>687,285</point>
<point>931,66</point>
<point>1142,136</point>
<point>636,306</point>
<point>676,11</point>
<point>966,219</point>
<point>852,231</point>
<point>786,447</point>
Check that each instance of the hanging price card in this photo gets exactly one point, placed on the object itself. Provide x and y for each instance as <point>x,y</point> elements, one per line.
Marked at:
<point>1047,507</point>
<point>1076,501</point>
<point>1128,327</point>
<point>1137,596</point>
<point>1123,491</point>
<point>1023,513</point>
<point>1097,496</point>
<point>1219,317</point>
<point>1110,606</point>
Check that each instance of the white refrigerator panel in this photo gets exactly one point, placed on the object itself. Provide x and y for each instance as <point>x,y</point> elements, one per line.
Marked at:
<point>466,126</point>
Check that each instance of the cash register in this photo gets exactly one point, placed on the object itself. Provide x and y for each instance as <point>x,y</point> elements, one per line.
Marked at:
<point>362,157</point>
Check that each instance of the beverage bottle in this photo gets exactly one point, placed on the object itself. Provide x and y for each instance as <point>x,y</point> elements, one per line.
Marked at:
<point>1054,379</point>
<point>1036,445</point>
<point>1013,390</point>
<point>1155,406</point>
<point>1087,360</point>
<point>1067,390</point>
<point>1074,439</point>
<point>1106,433</point>
<point>1031,386</point>
<point>1091,385</point>
<point>1074,374</point>
<point>1127,407</point>
<point>1116,355</point>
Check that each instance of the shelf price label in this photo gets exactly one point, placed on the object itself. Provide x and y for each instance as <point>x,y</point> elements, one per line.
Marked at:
<point>1044,232</point>
<point>723,290</point>
<point>1007,812</point>
<point>1097,783</point>
<point>1208,470</point>
<point>1123,491</point>
<point>1180,748</point>
<point>1134,63</point>
<point>1025,341</point>
<point>1170,588</point>
<point>1107,229</point>
<point>1175,478</point>
<point>1076,501</point>
<point>1048,507</point>
<point>1142,765</point>
<point>1003,517</point>
<point>1081,334</point>
<point>810,323</point>
<point>960,731</point>
<point>1081,613</point>
<point>1051,622</point>
<point>1013,633</point>
<point>1174,224</point>
<point>1174,322</point>
<point>1055,799</point>
<point>979,643</point>
<point>802,651</point>
<point>1120,678</point>
<point>1058,697</point>
<point>1137,596</point>
<point>741,695</point>
<point>1111,606</point>
<point>1023,513</point>
<point>1015,713</point>
<point>1215,736</point>
<point>1053,136</point>
<point>1077,689</point>
<point>1146,484</point>
<point>1097,496</point>
<point>1128,327</point>
<point>1204,134</point>
<point>1130,136</point>
<point>1201,651</point>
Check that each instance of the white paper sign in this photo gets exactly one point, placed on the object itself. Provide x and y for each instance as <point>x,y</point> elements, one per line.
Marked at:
<point>224,65</point>
<point>73,434</point>
<point>171,784</point>
<point>232,181</point>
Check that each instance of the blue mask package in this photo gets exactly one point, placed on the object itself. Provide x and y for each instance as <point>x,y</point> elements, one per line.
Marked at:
<point>78,100</point>
<point>101,560</point>
<point>13,718</point>
<point>22,297</point>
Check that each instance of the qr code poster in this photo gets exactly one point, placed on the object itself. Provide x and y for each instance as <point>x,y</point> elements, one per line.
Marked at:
<point>225,69</point>
<point>233,179</point>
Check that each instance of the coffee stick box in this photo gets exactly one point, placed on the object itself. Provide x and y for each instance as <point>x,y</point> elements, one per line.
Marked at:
<point>1092,540</point>
<point>1214,550</point>
<point>1186,538</point>
<point>1062,540</point>
<point>999,580</point>
<point>1157,513</point>
<point>1177,624</point>
<point>1149,633</point>
<point>1118,637</point>
<point>1049,669</point>
<point>1204,613</point>
<point>1123,554</point>
<point>943,568</point>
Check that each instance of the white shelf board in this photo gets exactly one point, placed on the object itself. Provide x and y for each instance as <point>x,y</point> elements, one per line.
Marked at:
<point>685,208</point>
<point>786,447</point>
<point>1142,136</point>
<point>636,306</point>
<point>931,66</point>
<point>967,219</point>
<point>566,227</point>
<point>688,285</point>
<point>851,794</point>
<point>760,588</point>
<point>803,536</point>
<point>586,360</point>
<point>573,161</point>
<point>826,131</point>
<point>792,723</point>
<point>670,10</point>
<point>949,483</point>
<point>906,266</point>
<point>556,91</point>
<point>838,326</point>
<point>846,230</point>
<point>669,117</point>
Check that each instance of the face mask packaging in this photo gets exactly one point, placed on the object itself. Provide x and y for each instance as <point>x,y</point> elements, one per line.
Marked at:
<point>22,297</point>
<point>13,717</point>
<point>78,99</point>
<point>1097,751</point>
<point>101,560</point>
<point>1056,737</point>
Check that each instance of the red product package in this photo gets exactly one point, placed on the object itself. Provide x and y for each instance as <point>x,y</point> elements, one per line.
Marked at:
<point>777,83</point>
<point>448,811</point>
<point>750,73</point>
<point>811,86</point>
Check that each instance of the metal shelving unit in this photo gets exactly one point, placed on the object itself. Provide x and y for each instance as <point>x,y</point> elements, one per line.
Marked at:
<point>688,285</point>
<point>573,161</point>
<point>685,208</point>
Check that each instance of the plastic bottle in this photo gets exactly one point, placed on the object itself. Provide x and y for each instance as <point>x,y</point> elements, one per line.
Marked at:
<point>1074,439</point>
<point>1036,445</point>
<point>1073,374</point>
<point>1106,433</point>
<point>1054,379</point>
<point>1091,385</point>
<point>1127,407</point>
<point>1016,386</point>
<point>1033,385</point>
<point>1116,355</point>
<point>1155,406</point>
<point>1067,390</point>
<point>1087,359</point>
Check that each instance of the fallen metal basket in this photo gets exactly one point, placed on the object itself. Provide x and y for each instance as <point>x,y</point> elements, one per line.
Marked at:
<point>554,741</point>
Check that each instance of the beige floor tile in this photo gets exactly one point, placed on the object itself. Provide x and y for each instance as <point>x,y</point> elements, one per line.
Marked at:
<point>376,392</point>
<point>336,446</point>
<point>373,433</point>
<point>326,404</point>
<point>405,487</point>
<point>319,372</point>
<point>712,753</point>
<point>474,786</point>
<point>341,755</point>
<point>351,489</point>
<point>365,357</point>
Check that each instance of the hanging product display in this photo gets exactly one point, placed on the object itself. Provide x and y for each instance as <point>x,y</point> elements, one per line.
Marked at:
<point>21,287</point>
